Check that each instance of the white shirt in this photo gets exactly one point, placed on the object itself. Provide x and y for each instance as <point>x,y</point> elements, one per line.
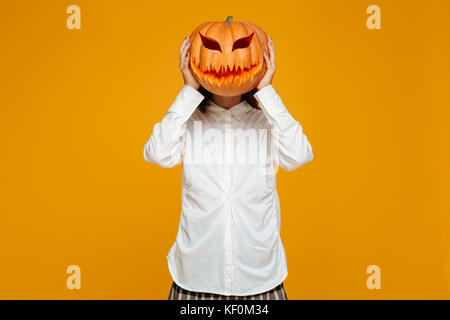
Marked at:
<point>228,240</point>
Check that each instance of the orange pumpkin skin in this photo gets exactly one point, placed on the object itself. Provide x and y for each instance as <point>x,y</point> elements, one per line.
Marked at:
<point>226,58</point>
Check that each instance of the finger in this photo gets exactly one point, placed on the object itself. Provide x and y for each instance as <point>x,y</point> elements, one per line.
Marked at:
<point>186,61</point>
<point>268,63</point>
<point>271,42</point>
<point>271,47</point>
<point>186,49</point>
<point>188,54</point>
<point>185,40</point>
<point>272,56</point>
<point>184,52</point>
<point>183,63</point>
<point>183,49</point>
<point>183,44</point>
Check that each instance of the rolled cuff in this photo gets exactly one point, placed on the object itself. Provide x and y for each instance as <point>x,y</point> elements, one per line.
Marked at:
<point>186,102</point>
<point>269,101</point>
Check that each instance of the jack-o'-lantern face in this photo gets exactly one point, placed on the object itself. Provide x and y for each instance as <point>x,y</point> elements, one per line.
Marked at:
<point>226,58</point>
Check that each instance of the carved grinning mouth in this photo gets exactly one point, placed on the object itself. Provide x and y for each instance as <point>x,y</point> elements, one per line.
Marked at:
<point>226,75</point>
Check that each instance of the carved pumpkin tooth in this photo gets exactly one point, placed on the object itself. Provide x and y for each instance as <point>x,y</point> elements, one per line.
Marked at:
<point>236,81</point>
<point>241,80</point>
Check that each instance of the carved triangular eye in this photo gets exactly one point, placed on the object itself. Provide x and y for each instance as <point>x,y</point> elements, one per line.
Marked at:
<point>243,42</point>
<point>210,43</point>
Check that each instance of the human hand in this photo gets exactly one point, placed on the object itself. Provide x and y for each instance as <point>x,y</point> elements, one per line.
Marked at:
<point>270,64</point>
<point>184,65</point>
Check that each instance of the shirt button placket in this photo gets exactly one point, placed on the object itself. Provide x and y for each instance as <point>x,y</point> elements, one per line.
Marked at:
<point>227,176</point>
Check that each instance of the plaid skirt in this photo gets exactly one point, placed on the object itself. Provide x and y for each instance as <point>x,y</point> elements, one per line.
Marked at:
<point>178,293</point>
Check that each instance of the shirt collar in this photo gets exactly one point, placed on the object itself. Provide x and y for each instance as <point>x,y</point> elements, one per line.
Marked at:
<point>237,111</point>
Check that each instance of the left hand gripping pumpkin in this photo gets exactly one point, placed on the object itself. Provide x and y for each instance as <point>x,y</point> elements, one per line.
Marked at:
<point>226,58</point>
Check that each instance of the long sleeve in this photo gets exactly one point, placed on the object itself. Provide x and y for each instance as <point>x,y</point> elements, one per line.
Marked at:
<point>166,143</point>
<point>292,148</point>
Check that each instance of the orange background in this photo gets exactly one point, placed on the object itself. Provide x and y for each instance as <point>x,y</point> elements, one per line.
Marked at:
<point>77,107</point>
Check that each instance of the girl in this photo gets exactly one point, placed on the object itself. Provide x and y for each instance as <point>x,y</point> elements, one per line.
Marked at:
<point>228,244</point>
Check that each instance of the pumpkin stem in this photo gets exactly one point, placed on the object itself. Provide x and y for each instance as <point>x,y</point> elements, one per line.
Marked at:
<point>229,18</point>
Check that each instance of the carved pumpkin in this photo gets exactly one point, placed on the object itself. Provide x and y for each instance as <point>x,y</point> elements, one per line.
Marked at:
<point>226,58</point>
